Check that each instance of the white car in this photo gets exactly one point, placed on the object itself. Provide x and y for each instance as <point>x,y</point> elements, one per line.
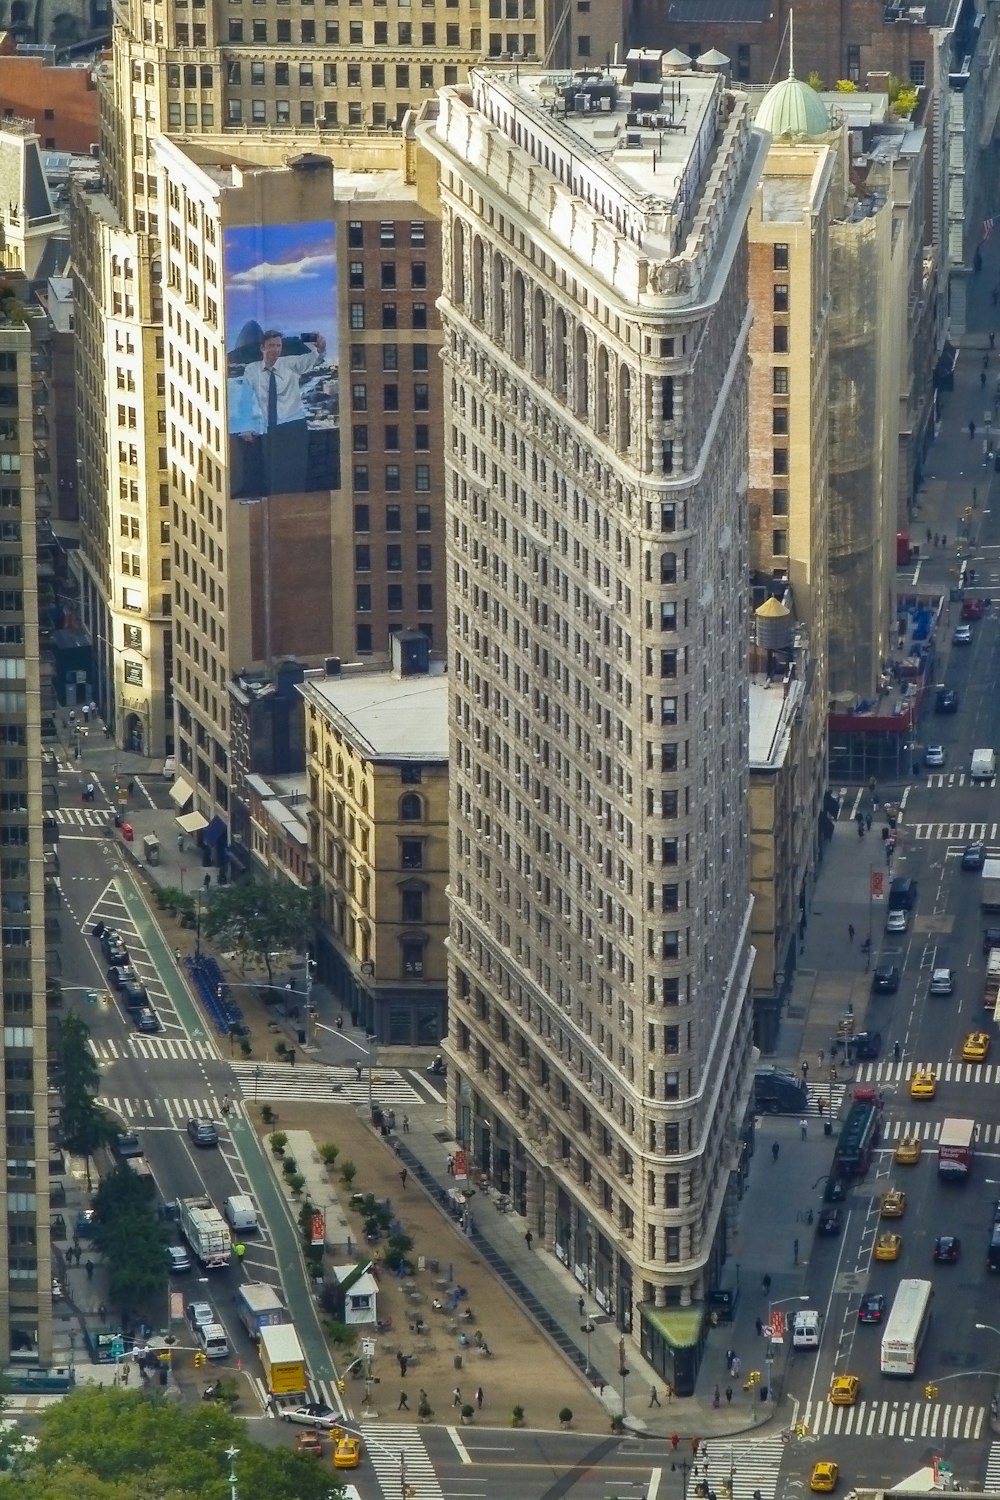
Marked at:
<point>934,755</point>
<point>897,921</point>
<point>962,635</point>
<point>313,1414</point>
<point>200,1314</point>
<point>943,982</point>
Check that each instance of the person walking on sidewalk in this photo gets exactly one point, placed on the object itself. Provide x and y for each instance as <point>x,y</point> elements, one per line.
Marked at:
<point>729,1395</point>
<point>850,932</point>
<point>528,1237</point>
<point>480,1397</point>
<point>456,1396</point>
<point>972,429</point>
<point>803,1127</point>
<point>775,1148</point>
<point>403,1403</point>
<point>654,1399</point>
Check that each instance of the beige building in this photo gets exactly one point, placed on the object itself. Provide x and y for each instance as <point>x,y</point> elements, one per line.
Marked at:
<point>266,83</point>
<point>596,318</point>
<point>377,766</point>
<point>28,889</point>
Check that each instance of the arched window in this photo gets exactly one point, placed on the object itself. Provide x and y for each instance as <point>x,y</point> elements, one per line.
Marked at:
<point>313,742</point>
<point>499,300</point>
<point>364,795</point>
<point>560,358</point>
<point>328,759</point>
<point>350,783</point>
<point>668,567</point>
<point>539,336</point>
<point>624,436</point>
<point>411,808</point>
<point>582,373</point>
<point>602,389</point>
<point>340,768</point>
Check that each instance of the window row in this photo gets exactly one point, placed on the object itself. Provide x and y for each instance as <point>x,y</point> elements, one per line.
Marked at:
<point>333,34</point>
<point>393,478</point>
<point>393,558</point>
<point>419,355</point>
<point>393,518</point>
<point>387,275</point>
<point>389,316</point>
<point>393,598</point>
<point>363,641</point>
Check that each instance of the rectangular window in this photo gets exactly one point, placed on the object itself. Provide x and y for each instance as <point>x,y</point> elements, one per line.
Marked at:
<point>779,421</point>
<point>392,479</point>
<point>918,73</point>
<point>779,460</point>
<point>420,314</point>
<point>425,597</point>
<point>361,479</point>
<point>742,63</point>
<point>359,398</point>
<point>362,518</point>
<point>390,397</point>
<point>422,478</point>
<point>422,518</point>
<point>388,275</point>
<point>779,380</point>
<point>356,275</point>
<point>779,502</point>
<point>854,64</point>
<point>357,315</point>
<point>387,232</point>
<point>394,598</point>
<point>389,315</point>
<point>780,297</point>
<point>779,340</point>
<point>779,257</point>
<point>394,558</point>
<point>355,234</point>
<point>779,543</point>
<point>363,598</point>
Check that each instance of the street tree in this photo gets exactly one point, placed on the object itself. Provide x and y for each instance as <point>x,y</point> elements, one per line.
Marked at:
<point>259,917</point>
<point>84,1126</point>
<point>111,1444</point>
<point>130,1237</point>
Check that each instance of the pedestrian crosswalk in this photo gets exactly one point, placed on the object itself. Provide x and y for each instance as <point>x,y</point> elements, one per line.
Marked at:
<point>956,833</point>
<point>830,1095</point>
<point>399,1457</point>
<point>82,817</point>
<point>159,1048</point>
<point>992,1481</point>
<point>316,1390</point>
<point>267,1081</point>
<point>957,778</point>
<point>733,1471</point>
<point>947,1072</point>
<point>930,1130</point>
<point>168,1113</point>
<point>897,1419</point>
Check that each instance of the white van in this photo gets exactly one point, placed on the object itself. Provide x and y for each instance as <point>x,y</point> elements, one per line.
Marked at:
<point>169,770</point>
<point>984,765</point>
<point>805,1330</point>
<point>241,1214</point>
<point>212,1338</point>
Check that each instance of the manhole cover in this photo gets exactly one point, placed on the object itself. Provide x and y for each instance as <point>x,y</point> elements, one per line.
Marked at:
<point>444,1136</point>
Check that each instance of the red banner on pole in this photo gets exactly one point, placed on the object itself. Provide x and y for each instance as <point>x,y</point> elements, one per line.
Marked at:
<point>877,886</point>
<point>318,1229</point>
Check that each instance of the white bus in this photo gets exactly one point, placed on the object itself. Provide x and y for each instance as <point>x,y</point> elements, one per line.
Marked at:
<point>907,1325</point>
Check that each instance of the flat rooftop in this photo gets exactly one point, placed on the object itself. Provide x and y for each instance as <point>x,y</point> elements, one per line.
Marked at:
<point>384,716</point>
<point>771,708</point>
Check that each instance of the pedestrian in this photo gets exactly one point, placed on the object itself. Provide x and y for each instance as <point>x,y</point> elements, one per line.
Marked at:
<point>861,828</point>
<point>695,1443</point>
<point>85,711</point>
<point>239,1249</point>
<point>795,1251</point>
<point>944,539</point>
<point>803,1127</point>
<point>177,955</point>
<point>402,1360</point>
<point>180,842</point>
<point>896,1050</point>
<point>774,1152</point>
<point>421,1397</point>
<point>340,1023</point>
<point>730,1356</point>
<point>765,1284</point>
<point>821,1106</point>
<point>456,1396</point>
<point>131,788</point>
<point>406,1124</point>
<point>760,1327</point>
<point>674,1441</point>
<point>850,932</point>
<point>805,1070</point>
<point>528,1237</point>
<point>716,1398</point>
<point>993,340</point>
<point>972,429</point>
<point>208,879</point>
<point>729,1395</point>
<point>996,295</point>
<point>982,379</point>
<point>126,1372</point>
<point>654,1399</point>
<point>736,1367</point>
<point>581,1305</point>
<point>403,1403</point>
<point>928,534</point>
<point>403,1176</point>
<point>89,1268</point>
<point>451,1166</point>
<point>868,822</point>
<point>357,1069</point>
<point>102,1311</point>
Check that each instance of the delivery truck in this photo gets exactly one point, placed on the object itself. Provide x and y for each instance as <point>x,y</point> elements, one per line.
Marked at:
<point>989,890</point>
<point>206,1232</point>
<point>956,1147</point>
<point>260,1306</point>
<point>283,1361</point>
<point>983,766</point>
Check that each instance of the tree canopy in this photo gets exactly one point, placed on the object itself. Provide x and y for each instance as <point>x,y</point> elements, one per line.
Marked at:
<point>130,1236</point>
<point>83,1125</point>
<point>111,1444</point>
<point>259,917</point>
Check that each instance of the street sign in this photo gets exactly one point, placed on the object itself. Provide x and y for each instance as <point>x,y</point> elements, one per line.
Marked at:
<point>368,1348</point>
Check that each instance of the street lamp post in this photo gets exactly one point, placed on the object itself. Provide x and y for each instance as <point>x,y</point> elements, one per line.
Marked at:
<point>588,1329</point>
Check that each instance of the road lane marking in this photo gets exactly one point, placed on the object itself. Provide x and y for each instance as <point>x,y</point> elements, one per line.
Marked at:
<point>460,1447</point>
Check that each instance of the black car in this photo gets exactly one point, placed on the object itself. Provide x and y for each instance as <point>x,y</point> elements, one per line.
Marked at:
<point>872,1309</point>
<point>885,980</point>
<point>996,1211</point>
<point>134,996</point>
<point>127,1144</point>
<point>835,1190</point>
<point>830,1221</point>
<point>146,1019</point>
<point>947,1248</point>
<point>991,938</point>
<point>203,1132</point>
<point>118,974</point>
<point>110,939</point>
<point>866,1045</point>
<point>974,856</point>
<point>902,894</point>
<point>946,701</point>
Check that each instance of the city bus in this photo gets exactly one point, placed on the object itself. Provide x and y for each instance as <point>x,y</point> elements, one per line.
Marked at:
<point>906,1328</point>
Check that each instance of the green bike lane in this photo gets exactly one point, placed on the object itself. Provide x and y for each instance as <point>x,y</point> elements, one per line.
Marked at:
<point>274,1207</point>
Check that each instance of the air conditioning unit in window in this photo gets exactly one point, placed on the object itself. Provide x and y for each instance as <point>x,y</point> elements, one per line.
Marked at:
<point>413,968</point>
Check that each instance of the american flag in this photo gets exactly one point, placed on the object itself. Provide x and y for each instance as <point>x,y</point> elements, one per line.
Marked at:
<point>988,228</point>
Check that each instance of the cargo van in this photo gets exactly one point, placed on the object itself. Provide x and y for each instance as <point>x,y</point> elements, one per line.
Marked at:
<point>240,1213</point>
<point>805,1330</point>
<point>212,1338</point>
<point>984,765</point>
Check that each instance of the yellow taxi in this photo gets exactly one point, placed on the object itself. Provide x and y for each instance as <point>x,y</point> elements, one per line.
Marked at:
<point>923,1084</point>
<point>976,1046</point>
<point>888,1246</point>
<point>824,1477</point>
<point>844,1390</point>
<point>347,1454</point>
<point>893,1204</point>
<point>907,1153</point>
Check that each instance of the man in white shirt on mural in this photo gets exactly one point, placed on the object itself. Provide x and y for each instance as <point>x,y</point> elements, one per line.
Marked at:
<point>275,382</point>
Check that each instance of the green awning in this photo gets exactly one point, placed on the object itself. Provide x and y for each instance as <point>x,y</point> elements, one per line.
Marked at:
<point>680,1327</point>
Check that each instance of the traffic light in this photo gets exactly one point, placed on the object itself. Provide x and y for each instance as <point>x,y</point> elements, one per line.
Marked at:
<point>931,1391</point>
<point>341,1386</point>
<point>199,1360</point>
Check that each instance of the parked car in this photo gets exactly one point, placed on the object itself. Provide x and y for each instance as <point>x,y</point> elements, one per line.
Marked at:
<point>974,856</point>
<point>962,635</point>
<point>885,980</point>
<point>120,974</point>
<point>127,1144</point>
<point>134,996</point>
<point>897,921</point>
<point>830,1221</point>
<point>991,938</point>
<point>200,1314</point>
<point>146,1019</point>
<point>934,756</point>
<point>902,894</point>
<point>946,701</point>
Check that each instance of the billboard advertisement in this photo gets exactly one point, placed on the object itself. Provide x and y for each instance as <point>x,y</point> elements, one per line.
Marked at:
<point>283,394</point>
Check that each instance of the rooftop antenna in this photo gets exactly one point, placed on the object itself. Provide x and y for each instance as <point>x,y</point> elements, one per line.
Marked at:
<point>791,50</point>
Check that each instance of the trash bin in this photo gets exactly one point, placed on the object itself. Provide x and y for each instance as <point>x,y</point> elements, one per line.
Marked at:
<point>828,1127</point>
<point>458,1361</point>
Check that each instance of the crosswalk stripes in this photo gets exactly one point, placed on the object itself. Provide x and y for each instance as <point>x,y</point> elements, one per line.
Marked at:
<point>82,817</point>
<point>267,1081</point>
<point>399,1456</point>
<point>947,1072</point>
<point>930,1130</point>
<point>897,1419</point>
<point>177,1111</point>
<point>316,1390</point>
<point>957,833</point>
<point>740,1468</point>
<point>160,1048</point>
<point>832,1096</point>
<point>940,779</point>
<point>992,1481</point>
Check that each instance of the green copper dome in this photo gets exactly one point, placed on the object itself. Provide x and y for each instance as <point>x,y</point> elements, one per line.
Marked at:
<point>792,108</point>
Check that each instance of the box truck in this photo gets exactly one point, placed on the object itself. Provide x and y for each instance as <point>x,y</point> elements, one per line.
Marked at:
<point>206,1231</point>
<point>260,1306</point>
<point>282,1359</point>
